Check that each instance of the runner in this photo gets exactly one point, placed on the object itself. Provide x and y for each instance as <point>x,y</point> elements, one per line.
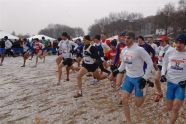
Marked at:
<point>66,49</point>
<point>117,61</point>
<point>27,51</point>
<point>79,51</point>
<point>133,61</point>
<point>100,47</point>
<point>2,50</point>
<point>111,56</point>
<point>90,55</point>
<point>60,57</point>
<point>45,50</point>
<point>174,72</point>
<point>153,45</point>
<point>38,46</point>
<point>32,48</point>
<point>147,47</point>
<point>5,48</point>
<point>164,47</point>
<point>112,52</point>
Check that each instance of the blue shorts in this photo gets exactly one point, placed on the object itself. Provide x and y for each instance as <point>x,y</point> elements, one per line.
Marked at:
<point>130,83</point>
<point>175,91</point>
<point>2,50</point>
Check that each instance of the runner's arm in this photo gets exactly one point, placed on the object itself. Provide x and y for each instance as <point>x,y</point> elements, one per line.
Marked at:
<point>147,59</point>
<point>117,55</point>
<point>74,44</point>
<point>94,53</point>
<point>165,64</point>
<point>122,66</point>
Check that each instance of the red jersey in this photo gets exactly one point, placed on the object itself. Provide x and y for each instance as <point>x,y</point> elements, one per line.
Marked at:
<point>37,47</point>
<point>106,42</point>
<point>111,55</point>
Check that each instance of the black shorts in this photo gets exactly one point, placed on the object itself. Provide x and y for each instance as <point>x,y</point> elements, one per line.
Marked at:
<point>159,67</point>
<point>68,62</point>
<point>79,55</point>
<point>90,67</point>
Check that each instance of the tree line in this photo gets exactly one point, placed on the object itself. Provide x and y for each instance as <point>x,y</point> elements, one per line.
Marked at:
<point>170,18</point>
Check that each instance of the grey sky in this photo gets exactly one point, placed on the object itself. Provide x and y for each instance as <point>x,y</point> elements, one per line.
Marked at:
<point>29,16</point>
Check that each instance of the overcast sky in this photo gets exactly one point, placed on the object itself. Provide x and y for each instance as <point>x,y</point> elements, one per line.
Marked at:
<point>29,16</point>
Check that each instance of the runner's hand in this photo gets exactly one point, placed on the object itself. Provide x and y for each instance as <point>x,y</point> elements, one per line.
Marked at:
<point>142,82</point>
<point>163,78</point>
<point>115,72</point>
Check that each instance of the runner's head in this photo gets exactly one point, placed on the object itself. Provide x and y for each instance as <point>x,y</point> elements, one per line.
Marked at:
<point>164,40</point>
<point>36,40</point>
<point>86,40</point>
<point>130,37</point>
<point>181,42</point>
<point>43,38</point>
<point>150,39</point>
<point>6,38</point>
<point>122,37</point>
<point>97,38</point>
<point>78,41</point>
<point>25,40</point>
<point>103,37</point>
<point>141,40</point>
<point>64,36</point>
<point>113,44</point>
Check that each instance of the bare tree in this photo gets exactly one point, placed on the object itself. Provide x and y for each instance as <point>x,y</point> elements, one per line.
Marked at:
<point>55,30</point>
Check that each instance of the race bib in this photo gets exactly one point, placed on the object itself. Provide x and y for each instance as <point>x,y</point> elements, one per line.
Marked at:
<point>128,58</point>
<point>177,64</point>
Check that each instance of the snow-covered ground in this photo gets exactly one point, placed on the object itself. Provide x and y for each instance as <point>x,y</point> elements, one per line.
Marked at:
<point>29,95</point>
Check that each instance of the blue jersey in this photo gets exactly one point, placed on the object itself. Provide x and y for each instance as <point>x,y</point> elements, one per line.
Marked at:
<point>80,48</point>
<point>100,50</point>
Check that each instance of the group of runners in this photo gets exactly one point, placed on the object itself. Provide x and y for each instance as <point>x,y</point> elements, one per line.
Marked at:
<point>36,47</point>
<point>128,62</point>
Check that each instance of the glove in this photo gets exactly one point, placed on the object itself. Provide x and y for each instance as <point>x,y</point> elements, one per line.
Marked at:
<point>142,82</point>
<point>113,67</point>
<point>163,78</point>
<point>115,72</point>
<point>87,53</point>
<point>182,84</point>
<point>151,84</point>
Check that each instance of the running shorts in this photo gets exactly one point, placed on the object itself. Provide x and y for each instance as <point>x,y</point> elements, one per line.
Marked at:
<point>90,67</point>
<point>132,83</point>
<point>175,91</point>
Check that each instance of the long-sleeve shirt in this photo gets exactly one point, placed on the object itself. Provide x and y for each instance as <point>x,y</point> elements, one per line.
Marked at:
<point>133,59</point>
<point>161,53</point>
<point>149,49</point>
<point>174,66</point>
<point>65,47</point>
